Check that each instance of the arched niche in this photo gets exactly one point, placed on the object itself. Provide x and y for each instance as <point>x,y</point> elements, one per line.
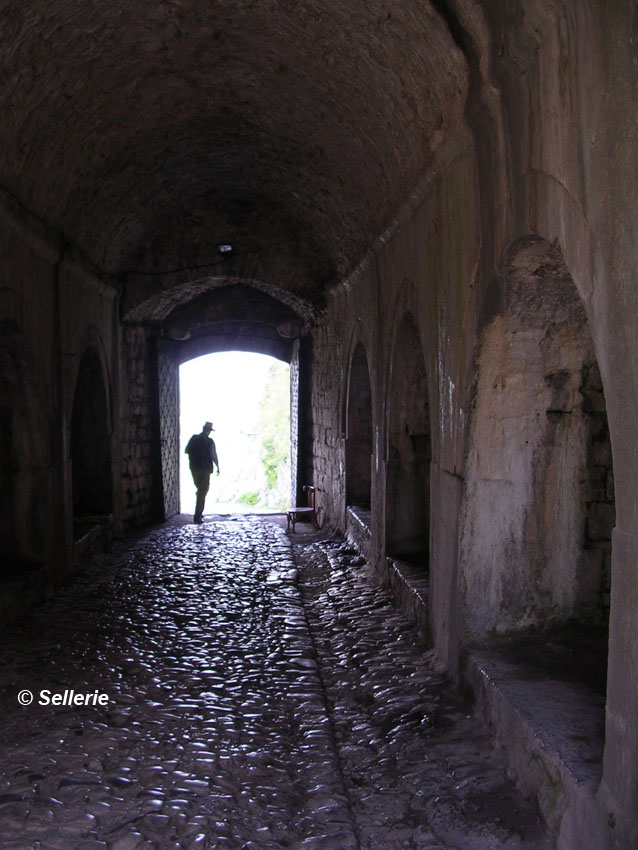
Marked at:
<point>24,454</point>
<point>359,431</point>
<point>539,501</point>
<point>407,503</point>
<point>91,441</point>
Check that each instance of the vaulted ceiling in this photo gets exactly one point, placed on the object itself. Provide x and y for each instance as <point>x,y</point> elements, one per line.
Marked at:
<point>146,133</point>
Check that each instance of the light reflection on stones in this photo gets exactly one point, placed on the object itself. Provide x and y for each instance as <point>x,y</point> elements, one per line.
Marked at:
<point>202,649</point>
<point>231,724</point>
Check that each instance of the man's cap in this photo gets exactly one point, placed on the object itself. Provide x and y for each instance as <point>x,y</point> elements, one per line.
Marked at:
<point>209,425</point>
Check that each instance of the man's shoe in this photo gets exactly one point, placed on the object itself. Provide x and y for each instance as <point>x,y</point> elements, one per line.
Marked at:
<point>197,519</point>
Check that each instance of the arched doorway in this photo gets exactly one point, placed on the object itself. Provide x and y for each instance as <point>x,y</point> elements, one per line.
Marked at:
<point>24,454</point>
<point>91,442</point>
<point>250,411</point>
<point>359,432</point>
<point>409,450</point>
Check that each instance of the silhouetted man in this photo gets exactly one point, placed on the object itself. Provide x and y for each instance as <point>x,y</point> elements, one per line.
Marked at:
<point>202,458</point>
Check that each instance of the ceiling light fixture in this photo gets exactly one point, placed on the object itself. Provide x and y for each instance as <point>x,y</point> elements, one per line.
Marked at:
<point>225,251</point>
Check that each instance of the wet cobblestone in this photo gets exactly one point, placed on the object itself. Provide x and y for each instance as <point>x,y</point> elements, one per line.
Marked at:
<point>419,769</point>
<point>236,718</point>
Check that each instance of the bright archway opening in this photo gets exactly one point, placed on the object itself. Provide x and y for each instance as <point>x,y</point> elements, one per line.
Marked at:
<point>247,398</point>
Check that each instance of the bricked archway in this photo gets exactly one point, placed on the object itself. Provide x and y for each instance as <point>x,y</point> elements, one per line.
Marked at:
<point>359,431</point>
<point>409,449</point>
<point>540,488</point>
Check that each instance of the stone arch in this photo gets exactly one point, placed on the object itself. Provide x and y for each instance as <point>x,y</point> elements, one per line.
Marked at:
<point>24,452</point>
<point>358,421</point>
<point>251,339</point>
<point>90,442</point>
<point>539,501</point>
<point>407,498</point>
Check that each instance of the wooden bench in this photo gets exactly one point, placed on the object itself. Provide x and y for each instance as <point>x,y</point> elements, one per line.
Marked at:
<point>293,514</point>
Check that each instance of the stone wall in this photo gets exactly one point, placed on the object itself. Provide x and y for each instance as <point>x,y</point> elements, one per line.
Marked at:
<point>560,78</point>
<point>294,423</point>
<point>424,269</point>
<point>141,483</point>
<point>545,152</point>
<point>599,496</point>
<point>526,556</point>
<point>89,335</point>
<point>553,126</point>
<point>30,390</point>
<point>327,453</point>
<point>51,311</point>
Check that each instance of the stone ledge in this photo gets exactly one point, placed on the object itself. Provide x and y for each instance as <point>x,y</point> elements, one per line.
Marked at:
<point>91,534</point>
<point>551,730</point>
<point>408,583</point>
<point>410,588</point>
<point>359,529</point>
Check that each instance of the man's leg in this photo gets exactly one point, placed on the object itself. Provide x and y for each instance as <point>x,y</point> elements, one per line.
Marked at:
<point>202,482</point>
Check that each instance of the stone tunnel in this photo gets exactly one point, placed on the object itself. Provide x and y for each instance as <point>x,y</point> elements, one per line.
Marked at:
<point>425,207</point>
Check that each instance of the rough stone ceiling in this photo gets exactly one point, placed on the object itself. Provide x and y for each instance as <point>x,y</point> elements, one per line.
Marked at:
<point>147,132</point>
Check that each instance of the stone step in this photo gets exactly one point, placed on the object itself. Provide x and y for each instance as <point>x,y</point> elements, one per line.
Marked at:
<point>550,729</point>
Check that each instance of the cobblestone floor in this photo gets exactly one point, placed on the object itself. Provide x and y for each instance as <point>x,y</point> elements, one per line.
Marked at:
<point>259,697</point>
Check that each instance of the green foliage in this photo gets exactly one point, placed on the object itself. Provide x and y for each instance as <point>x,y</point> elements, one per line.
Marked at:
<point>251,499</point>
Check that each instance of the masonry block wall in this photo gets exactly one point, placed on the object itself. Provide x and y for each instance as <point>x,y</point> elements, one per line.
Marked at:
<point>140,467</point>
<point>294,422</point>
<point>327,448</point>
